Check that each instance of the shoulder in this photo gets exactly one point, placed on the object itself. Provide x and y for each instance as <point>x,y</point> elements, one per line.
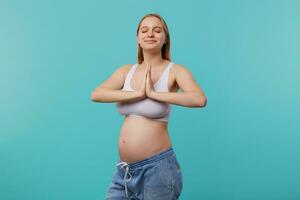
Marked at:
<point>179,67</point>
<point>123,69</point>
<point>181,70</point>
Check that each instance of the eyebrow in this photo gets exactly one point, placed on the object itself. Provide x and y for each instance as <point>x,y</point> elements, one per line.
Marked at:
<point>153,27</point>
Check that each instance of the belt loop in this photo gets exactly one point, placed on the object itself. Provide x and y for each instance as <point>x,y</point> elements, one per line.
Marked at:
<point>124,164</point>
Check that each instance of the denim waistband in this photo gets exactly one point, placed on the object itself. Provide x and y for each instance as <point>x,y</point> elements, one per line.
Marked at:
<point>157,157</point>
<point>151,159</point>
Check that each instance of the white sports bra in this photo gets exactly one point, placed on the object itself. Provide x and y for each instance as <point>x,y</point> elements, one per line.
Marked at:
<point>147,107</point>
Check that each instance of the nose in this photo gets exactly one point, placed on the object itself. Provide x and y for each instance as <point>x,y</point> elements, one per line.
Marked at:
<point>150,33</point>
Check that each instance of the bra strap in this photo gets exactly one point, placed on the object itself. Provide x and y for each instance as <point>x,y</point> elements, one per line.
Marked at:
<point>130,74</point>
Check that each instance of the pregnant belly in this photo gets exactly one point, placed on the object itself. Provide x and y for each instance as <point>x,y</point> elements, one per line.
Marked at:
<point>141,138</point>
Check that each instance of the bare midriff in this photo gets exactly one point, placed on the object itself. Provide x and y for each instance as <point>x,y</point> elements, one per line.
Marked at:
<point>141,138</point>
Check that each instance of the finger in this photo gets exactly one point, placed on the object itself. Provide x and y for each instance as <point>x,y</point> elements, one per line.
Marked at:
<point>146,73</point>
<point>149,69</point>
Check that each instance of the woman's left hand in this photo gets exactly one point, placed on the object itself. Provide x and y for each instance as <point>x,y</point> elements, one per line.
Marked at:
<point>149,84</point>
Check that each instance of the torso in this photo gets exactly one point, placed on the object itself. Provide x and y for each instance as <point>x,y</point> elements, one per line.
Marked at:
<point>142,137</point>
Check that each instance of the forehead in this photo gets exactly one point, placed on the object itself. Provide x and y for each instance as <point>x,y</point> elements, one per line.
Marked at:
<point>151,22</point>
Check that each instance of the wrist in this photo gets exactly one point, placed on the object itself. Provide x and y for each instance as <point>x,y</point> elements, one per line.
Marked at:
<point>140,94</point>
<point>151,94</point>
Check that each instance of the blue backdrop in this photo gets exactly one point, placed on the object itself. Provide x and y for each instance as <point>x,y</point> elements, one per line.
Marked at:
<point>56,144</point>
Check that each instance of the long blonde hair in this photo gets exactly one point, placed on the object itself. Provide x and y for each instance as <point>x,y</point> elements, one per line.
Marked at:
<point>165,50</point>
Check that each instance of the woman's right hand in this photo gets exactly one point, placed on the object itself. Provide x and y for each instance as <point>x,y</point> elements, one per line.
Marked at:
<point>142,90</point>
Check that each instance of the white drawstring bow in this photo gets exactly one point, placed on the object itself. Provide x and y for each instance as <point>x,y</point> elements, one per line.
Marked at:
<point>124,164</point>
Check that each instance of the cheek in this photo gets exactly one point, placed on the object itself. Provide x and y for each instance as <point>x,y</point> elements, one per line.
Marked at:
<point>161,38</point>
<point>141,36</point>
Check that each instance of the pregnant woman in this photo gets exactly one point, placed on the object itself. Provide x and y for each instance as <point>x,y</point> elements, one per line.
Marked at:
<point>147,167</point>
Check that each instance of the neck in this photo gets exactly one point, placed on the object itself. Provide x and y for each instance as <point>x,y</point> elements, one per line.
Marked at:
<point>153,58</point>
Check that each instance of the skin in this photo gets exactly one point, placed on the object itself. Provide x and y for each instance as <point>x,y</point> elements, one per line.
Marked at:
<point>142,137</point>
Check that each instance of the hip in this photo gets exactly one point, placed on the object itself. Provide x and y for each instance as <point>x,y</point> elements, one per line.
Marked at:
<point>156,177</point>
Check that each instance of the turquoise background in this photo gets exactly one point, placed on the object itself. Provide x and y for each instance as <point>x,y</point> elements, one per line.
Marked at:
<point>56,144</point>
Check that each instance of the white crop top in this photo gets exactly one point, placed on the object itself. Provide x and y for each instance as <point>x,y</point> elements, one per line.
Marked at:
<point>147,107</point>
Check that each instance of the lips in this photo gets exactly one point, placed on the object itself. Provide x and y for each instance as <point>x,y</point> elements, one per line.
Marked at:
<point>150,40</point>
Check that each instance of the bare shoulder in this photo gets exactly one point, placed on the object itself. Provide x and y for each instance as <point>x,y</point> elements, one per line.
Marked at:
<point>182,71</point>
<point>185,79</point>
<point>124,69</point>
<point>116,80</point>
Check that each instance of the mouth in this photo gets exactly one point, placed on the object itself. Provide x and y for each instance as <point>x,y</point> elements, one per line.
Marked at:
<point>150,41</point>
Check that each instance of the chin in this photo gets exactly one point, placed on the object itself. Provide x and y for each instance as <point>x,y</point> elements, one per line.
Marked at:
<point>151,48</point>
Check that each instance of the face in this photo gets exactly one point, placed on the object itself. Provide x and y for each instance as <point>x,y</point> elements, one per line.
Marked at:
<point>151,35</point>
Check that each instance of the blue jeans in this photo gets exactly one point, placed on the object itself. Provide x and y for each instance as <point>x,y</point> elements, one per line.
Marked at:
<point>157,177</point>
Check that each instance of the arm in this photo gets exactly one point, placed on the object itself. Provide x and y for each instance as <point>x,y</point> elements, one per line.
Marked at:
<point>105,95</point>
<point>110,90</point>
<point>192,95</point>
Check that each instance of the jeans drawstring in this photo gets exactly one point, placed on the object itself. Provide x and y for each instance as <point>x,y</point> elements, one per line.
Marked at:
<point>125,176</point>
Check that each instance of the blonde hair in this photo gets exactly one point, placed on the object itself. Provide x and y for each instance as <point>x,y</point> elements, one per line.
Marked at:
<point>165,50</point>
